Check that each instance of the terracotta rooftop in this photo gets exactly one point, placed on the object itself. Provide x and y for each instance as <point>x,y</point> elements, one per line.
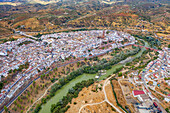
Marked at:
<point>138,92</point>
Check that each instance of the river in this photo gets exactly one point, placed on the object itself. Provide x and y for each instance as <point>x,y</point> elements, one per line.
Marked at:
<point>64,90</point>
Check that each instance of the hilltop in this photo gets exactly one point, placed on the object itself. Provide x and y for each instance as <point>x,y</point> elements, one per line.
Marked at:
<point>152,16</point>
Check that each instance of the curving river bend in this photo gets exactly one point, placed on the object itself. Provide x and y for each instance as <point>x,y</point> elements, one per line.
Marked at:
<point>64,90</point>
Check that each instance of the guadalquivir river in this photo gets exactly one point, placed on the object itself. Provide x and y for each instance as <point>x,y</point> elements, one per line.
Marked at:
<point>64,90</point>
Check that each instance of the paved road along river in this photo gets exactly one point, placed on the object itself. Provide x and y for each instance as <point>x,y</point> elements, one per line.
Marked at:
<point>64,90</point>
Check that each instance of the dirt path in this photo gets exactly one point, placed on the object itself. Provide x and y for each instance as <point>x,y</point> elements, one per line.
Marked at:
<point>106,99</point>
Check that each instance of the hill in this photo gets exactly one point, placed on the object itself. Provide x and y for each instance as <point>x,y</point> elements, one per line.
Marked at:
<point>77,1</point>
<point>151,16</point>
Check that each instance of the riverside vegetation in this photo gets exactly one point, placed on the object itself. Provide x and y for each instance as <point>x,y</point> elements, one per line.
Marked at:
<point>102,64</point>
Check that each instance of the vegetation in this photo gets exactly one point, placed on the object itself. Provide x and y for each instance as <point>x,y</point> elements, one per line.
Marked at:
<point>5,108</point>
<point>21,67</point>
<point>81,15</point>
<point>1,85</point>
<point>120,74</point>
<point>37,109</point>
<point>167,110</point>
<point>81,29</point>
<point>167,78</point>
<point>25,42</point>
<point>103,64</point>
<point>39,35</point>
<point>10,39</point>
<point>154,43</point>
<point>117,70</point>
<point>73,93</point>
<point>116,97</point>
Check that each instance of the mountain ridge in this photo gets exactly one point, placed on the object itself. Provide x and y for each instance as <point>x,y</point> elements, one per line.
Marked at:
<point>38,1</point>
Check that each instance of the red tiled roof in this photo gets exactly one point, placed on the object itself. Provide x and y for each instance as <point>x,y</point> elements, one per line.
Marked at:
<point>169,94</point>
<point>138,92</point>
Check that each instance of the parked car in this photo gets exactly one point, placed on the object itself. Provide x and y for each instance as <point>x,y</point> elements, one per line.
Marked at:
<point>155,104</point>
<point>159,110</point>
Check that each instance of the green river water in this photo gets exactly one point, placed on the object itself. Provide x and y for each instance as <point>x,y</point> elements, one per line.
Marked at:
<point>64,90</point>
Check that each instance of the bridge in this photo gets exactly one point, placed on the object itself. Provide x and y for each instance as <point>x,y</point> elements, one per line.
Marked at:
<point>22,33</point>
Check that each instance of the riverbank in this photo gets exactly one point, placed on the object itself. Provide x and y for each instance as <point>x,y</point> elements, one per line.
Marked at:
<point>63,91</point>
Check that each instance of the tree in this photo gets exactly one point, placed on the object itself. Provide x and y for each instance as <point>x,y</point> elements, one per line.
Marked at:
<point>85,59</point>
<point>37,109</point>
<point>19,98</point>
<point>1,85</point>
<point>52,80</point>
<point>31,101</point>
<point>167,110</point>
<point>28,93</point>
<point>39,35</point>
<point>52,107</point>
<point>107,32</point>
<point>37,86</point>
<point>5,108</point>
<point>169,46</point>
<point>43,100</point>
<point>19,105</point>
<point>34,83</point>
<point>31,86</point>
<point>56,68</point>
<point>15,102</point>
<point>41,77</point>
<point>36,91</point>
<point>60,107</point>
<point>10,71</point>
<point>43,86</point>
<point>15,109</point>
<point>78,64</point>
<point>120,74</point>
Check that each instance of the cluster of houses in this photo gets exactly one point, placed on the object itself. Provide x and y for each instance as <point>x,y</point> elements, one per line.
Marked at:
<point>160,68</point>
<point>52,48</point>
<point>156,73</point>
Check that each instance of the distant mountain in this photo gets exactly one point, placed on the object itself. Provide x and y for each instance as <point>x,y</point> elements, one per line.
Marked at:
<point>105,1</point>
<point>7,0</point>
<point>12,0</point>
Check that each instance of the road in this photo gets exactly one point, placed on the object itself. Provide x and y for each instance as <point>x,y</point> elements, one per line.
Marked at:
<point>143,76</point>
<point>51,70</point>
<point>47,73</point>
<point>18,95</point>
<point>105,100</point>
<point>22,33</point>
<point>90,105</point>
<point>158,78</point>
<point>41,96</point>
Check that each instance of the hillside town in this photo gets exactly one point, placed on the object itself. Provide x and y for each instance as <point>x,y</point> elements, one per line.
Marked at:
<point>84,56</point>
<point>154,77</point>
<point>28,57</point>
